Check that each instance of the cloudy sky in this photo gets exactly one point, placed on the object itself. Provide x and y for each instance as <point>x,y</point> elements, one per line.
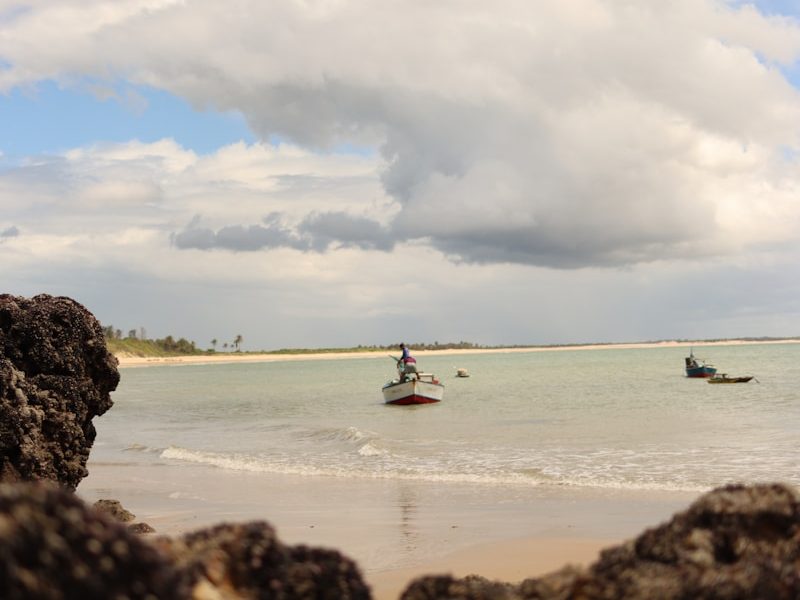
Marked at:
<point>317,173</point>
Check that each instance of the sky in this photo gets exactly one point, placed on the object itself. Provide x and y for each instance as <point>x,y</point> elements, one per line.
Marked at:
<point>334,173</point>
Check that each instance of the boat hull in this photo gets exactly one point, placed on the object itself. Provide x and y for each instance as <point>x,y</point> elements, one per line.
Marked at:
<point>698,368</point>
<point>726,379</point>
<point>703,371</point>
<point>413,392</point>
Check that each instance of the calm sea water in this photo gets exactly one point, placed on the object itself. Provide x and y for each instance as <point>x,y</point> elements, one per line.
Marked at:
<point>611,418</point>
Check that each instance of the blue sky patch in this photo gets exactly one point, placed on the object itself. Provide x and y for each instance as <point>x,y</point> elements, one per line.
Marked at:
<point>51,118</point>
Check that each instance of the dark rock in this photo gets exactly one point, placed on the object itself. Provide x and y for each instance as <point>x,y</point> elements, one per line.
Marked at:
<point>555,586</point>
<point>324,574</point>
<point>114,508</point>
<point>140,528</point>
<point>471,587</point>
<point>735,543</point>
<point>54,546</point>
<point>247,561</point>
<point>56,375</point>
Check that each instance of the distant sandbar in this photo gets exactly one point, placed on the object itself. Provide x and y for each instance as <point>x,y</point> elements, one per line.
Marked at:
<point>127,360</point>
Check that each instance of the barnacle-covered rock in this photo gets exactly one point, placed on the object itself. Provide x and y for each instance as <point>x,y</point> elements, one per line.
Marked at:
<point>54,546</point>
<point>56,375</point>
<point>734,543</point>
<point>248,561</point>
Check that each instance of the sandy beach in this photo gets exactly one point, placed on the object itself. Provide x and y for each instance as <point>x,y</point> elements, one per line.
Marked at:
<point>126,360</point>
<point>509,561</point>
<point>394,531</point>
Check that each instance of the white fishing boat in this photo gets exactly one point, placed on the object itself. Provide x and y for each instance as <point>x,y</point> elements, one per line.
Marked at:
<point>412,386</point>
<point>425,389</point>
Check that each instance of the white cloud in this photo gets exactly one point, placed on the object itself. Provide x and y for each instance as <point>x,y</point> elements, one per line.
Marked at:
<point>559,134</point>
<point>566,134</point>
<point>130,198</point>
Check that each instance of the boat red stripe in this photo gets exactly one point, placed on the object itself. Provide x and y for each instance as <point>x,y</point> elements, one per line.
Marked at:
<point>413,400</point>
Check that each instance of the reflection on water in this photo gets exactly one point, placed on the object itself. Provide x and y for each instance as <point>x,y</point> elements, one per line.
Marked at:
<point>409,533</point>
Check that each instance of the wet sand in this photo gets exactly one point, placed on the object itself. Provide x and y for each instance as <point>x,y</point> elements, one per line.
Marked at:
<point>394,530</point>
<point>510,561</point>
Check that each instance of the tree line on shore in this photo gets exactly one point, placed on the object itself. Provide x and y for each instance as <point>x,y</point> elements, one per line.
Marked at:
<point>136,342</point>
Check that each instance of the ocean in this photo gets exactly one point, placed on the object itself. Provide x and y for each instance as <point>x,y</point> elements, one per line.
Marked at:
<point>604,418</point>
<point>587,443</point>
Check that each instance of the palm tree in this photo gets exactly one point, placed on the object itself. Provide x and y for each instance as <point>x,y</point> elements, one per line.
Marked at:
<point>214,344</point>
<point>237,340</point>
<point>225,346</point>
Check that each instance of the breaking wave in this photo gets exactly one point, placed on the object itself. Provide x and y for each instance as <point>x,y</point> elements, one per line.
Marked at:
<point>430,471</point>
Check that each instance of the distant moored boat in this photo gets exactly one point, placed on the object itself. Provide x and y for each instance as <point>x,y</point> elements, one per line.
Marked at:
<point>698,368</point>
<point>723,378</point>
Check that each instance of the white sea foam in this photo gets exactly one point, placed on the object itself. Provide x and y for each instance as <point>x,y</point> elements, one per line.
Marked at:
<point>231,462</point>
<point>465,470</point>
<point>569,471</point>
<point>369,449</point>
<point>141,448</point>
<point>184,496</point>
<point>350,434</point>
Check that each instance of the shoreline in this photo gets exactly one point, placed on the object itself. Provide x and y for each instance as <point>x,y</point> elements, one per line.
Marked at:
<point>395,531</point>
<point>126,361</point>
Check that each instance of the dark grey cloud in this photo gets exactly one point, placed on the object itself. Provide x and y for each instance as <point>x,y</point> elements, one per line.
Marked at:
<point>193,237</point>
<point>238,238</point>
<point>338,228</point>
<point>10,232</point>
<point>255,237</point>
<point>540,247</point>
<point>318,232</point>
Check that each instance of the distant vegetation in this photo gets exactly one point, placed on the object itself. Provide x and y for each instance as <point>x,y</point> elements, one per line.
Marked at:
<point>377,348</point>
<point>153,347</point>
<point>137,343</point>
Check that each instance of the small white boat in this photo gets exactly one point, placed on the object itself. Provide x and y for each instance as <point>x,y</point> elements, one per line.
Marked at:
<point>424,389</point>
<point>462,373</point>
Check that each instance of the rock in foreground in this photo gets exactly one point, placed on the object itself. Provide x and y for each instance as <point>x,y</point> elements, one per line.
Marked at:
<point>247,561</point>
<point>56,375</point>
<point>735,543</point>
<point>55,547</point>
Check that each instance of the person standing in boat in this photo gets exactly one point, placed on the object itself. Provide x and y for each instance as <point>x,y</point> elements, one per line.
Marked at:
<point>407,365</point>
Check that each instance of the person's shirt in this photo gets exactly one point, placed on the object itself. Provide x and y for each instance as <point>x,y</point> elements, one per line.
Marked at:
<point>405,353</point>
